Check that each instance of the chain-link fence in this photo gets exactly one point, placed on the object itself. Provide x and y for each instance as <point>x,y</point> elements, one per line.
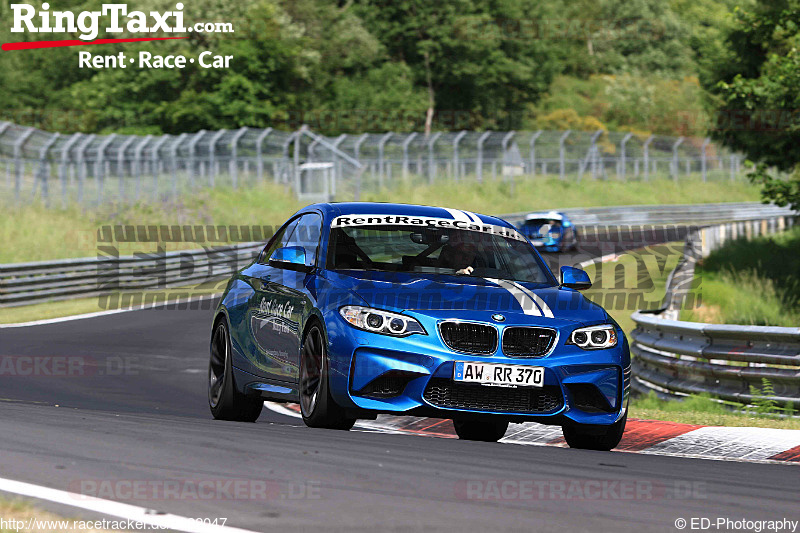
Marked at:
<point>87,169</point>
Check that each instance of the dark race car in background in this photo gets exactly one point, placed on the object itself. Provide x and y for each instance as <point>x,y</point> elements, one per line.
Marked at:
<point>550,231</point>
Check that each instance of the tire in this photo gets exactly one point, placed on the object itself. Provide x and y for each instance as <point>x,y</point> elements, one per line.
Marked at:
<point>318,408</point>
<point>577,436</point>
<point>481,430</point>
<point>224,400</point>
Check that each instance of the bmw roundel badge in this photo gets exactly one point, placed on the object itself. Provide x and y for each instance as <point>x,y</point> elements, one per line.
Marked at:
<point>497,317</point>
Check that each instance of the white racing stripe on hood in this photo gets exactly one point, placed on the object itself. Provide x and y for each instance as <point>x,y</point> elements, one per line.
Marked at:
<point>536,298</point>
<point>473,217</point>
<point>458,215</point>
<point>528,304</point>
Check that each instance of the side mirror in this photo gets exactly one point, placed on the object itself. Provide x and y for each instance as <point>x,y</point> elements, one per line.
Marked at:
<point>575,278</point>
<point>290,258</point>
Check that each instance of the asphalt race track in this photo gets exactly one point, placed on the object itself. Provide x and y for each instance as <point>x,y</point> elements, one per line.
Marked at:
<point>130,410</point>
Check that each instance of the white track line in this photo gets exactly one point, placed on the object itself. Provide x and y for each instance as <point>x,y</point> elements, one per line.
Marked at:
<point>112,508</point>
<point>106,313</point>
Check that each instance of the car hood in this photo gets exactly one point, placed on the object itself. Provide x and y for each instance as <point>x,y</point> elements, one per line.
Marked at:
<point>441,295</point>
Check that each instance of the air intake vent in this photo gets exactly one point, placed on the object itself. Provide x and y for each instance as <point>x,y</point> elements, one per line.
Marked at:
<point>448,394</point>
<point>468,337</point>
<point>387,385</point>
<point>527,342</point>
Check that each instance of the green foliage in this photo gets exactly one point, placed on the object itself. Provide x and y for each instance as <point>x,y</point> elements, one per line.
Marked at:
<point>752,282</point>
<point>642,104</point>
<point>764,402</point>
<point>756,93</point>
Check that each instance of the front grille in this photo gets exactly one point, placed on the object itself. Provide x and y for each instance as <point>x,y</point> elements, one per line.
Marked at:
<point>469,337</point>
<point>387,385</point>
<point>448,394</point>
<point>527,342</point>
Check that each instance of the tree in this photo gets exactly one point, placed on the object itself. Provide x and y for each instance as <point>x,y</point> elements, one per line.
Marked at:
<point>757,95</point>
<point>477,57</point>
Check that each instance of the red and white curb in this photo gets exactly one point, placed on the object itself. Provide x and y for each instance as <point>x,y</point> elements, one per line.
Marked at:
<point>641,436</point>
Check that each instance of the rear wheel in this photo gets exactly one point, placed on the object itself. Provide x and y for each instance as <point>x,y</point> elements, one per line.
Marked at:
<point>481,430</point>
<point>225,401</point>
<point>590,439</point>
<point>318,408</point>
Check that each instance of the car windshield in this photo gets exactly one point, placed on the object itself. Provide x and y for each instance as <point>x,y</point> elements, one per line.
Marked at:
<point>436,250</point>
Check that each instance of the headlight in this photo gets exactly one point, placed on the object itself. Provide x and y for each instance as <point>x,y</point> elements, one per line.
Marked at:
<point>594,337</point>
<point>378,321</point>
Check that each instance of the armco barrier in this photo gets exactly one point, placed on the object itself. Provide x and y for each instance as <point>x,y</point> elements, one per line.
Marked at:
<point>24,283</point>
<point>674,358</point>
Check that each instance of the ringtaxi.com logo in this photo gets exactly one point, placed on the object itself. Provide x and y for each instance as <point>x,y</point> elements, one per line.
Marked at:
<point>168,25</point>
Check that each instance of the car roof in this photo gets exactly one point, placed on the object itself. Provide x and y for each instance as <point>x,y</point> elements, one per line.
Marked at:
<point>554,215</point>
<point>380,208</point>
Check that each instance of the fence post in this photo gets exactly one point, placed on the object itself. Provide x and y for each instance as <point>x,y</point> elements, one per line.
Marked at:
<point>561,154</point>
<point>431,162</point>
<point>42,171</point>
<point>337,162</point>
<point>675,146</point>
<point>212,164</point>
<point>192,152</point>
<point>121,164</point>
<point>381,145</point>
<point>82,165</point>
<point>62,170</point>
<point>173,154</point>
<point>18,164</point>
<point>138,157</point>
<point>646,157</point>
<point>99,166</point>
<point>623,156</point>
<point>232,164</point>
<point>357,153</point>
<point>156,160</point>
<point>533,152</point>
<point>591,155</point>
<point>504,144</point>
<point>704,158</point>
<point>479,164</point>
<point>406,142</point>
<point>456,162</point>
<point>260,154</point>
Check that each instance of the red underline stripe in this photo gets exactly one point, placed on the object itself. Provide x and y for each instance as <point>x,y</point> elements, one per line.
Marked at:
<point>32,45</point>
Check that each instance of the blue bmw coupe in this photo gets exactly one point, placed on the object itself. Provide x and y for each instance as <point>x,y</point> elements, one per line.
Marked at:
<point>357,309</point>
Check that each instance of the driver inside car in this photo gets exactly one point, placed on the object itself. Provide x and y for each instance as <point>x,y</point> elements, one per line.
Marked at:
<point>458,255</point>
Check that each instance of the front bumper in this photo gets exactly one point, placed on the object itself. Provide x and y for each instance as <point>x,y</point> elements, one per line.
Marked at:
<point>373,373</point>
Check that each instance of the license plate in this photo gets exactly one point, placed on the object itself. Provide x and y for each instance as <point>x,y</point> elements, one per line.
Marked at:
<point>537,242</point>
<point>499,374</point>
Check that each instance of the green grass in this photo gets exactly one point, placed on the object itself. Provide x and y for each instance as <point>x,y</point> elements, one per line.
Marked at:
<point>755,282</point>
<point>35,233</point>
<point>705,411</point>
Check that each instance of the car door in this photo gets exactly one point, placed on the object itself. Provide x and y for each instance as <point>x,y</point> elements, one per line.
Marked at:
<point>281,301</point>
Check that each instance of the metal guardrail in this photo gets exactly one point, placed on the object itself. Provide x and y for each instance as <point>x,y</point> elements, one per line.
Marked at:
<point>676,358</point>
<point>25,283</point>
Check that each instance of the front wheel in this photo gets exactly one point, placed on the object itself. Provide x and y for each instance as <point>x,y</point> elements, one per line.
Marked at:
<point>592,439</point>
<point>225,401</point>
<point>481,430</point>
<point>318,408</point>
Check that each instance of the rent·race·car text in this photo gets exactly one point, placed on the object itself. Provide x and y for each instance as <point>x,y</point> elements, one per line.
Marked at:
<point>148,60</point>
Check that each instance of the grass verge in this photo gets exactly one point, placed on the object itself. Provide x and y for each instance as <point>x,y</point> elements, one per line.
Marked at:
<point>750,282</point>
<point>705,411</point>
<point>34,520</point>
